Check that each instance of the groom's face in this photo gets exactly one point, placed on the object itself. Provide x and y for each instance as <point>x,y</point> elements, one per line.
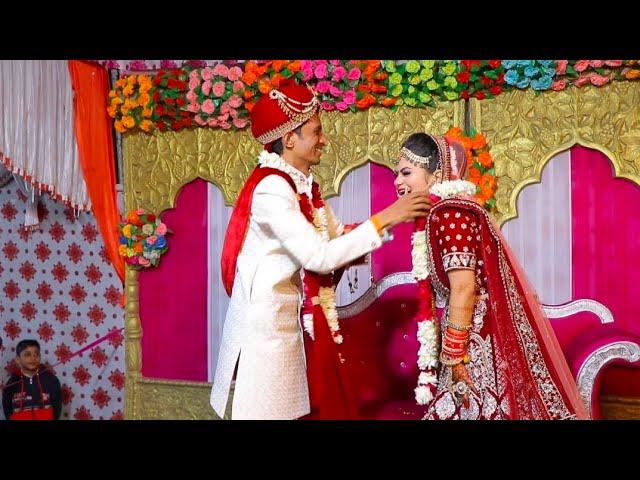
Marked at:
<point>309,144</point>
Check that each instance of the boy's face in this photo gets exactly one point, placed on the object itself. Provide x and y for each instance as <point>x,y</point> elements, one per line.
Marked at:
<point>29,359</point>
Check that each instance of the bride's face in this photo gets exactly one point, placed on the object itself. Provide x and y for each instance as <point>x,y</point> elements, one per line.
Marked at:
<point>410,178</point>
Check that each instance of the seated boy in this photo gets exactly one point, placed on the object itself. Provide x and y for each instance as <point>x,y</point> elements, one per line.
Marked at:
<point>34,393</point>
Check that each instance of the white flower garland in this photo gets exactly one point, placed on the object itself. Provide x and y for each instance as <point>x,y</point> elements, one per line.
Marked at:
<point>326,295</point>
<point>428,358</point>
<point>453,188</point>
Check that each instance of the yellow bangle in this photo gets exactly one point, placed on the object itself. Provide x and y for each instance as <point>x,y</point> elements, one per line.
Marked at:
<point>376,223</point>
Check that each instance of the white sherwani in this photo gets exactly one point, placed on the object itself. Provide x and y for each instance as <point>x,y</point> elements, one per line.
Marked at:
<point>262,331</point>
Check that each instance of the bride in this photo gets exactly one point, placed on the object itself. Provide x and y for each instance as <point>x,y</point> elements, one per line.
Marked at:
<point>491,353</point>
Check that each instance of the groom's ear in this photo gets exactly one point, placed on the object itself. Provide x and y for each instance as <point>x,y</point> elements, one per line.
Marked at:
<point>288,140</point>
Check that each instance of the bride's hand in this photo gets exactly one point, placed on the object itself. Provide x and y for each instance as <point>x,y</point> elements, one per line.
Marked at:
<point>461,375</point>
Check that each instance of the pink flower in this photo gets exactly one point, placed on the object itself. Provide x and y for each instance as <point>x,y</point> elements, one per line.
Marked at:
<point>234,113</point>
<point>212,122</point>
<point>321,71</point>
<point>207,74</point>
<point>328,106</point>
<point>161,229</point>
<point>191,96</point>
<point>223,118</point>
<point>323,86</point>
<point>342,106</point>
<point>237,86</point>
<point>168,64</point>
<point>599,80</point>
<point>221,69</point>
<point>218,88</point>
<point>144,262</point>
<point>306,65</point>
<point>199,120</point>
<point>235,101</point>
<point>334,62</point>
<point>193,107</point>
<point>613,63</point>
<point>581,65</point>
<point>596,63</point>
<point>354,74</point>
<point>208,106</point>
<point>206,87</point>
<point>225,108</point>
<point>350,97</point>
<point>235,73</point>
<point>225,125</point>
<point>132,260</point>
<point>339,73</point>
<point>579,82</point>
<point>335,91</point>
<point>240,122</point>
<point>193,82</point>
<point>559,85</point>
<point>561,66</point>
<point>307,75</point>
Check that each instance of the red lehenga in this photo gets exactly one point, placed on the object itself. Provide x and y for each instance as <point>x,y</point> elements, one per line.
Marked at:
<point>516,363</point>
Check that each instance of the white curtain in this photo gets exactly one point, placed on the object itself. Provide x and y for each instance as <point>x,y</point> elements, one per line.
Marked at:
<point>353,205</point>
<point>37,139</point>
<point>540,236</point>
<point>218,301</point>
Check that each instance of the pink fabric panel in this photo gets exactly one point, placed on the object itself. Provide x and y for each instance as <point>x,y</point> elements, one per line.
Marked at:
<point>173,297</point>
<point>605,237</point>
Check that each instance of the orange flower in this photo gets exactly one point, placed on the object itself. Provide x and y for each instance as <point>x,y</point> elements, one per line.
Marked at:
<point>119,126</point>
<point>147,112</point>
<point>116,101</point>
<point>247,94</point>
<point>249,78</point>
<point>249,106</point>
<point>474,175</point>
<point>632,74</point>
<point>278,65</point>
<point>275,80</point>
<point>478,141</point>
<point>144,99</point>
<point>264,87</point>
<point>388,102</point>
<point>128,90</point>
<point>251,66</point>
<point>380,76</point>
<point>488,181</point>
<point>112,111</point>
<point>138,247</point>
<point>455,132</point>
<point>294,66</point>
<point>128,121</point>
<point>121,82</point>
<point>146,125</point>
<point>485,159</point>
<point>131,79</point>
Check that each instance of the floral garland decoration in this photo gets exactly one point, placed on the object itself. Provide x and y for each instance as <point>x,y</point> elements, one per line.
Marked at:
<point>142,239</point>
<point>537,74</point>
<point>215,97</point>
<point>131,104</point>
<point>260,77</point>
<point>318,289</point>
<point>585,72</point>
<point>483,78</point>
<point>422,83</point>
<point>389,83</point>
<point>481,167</point>
<point>428,355</point>
<point>170,112</point>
